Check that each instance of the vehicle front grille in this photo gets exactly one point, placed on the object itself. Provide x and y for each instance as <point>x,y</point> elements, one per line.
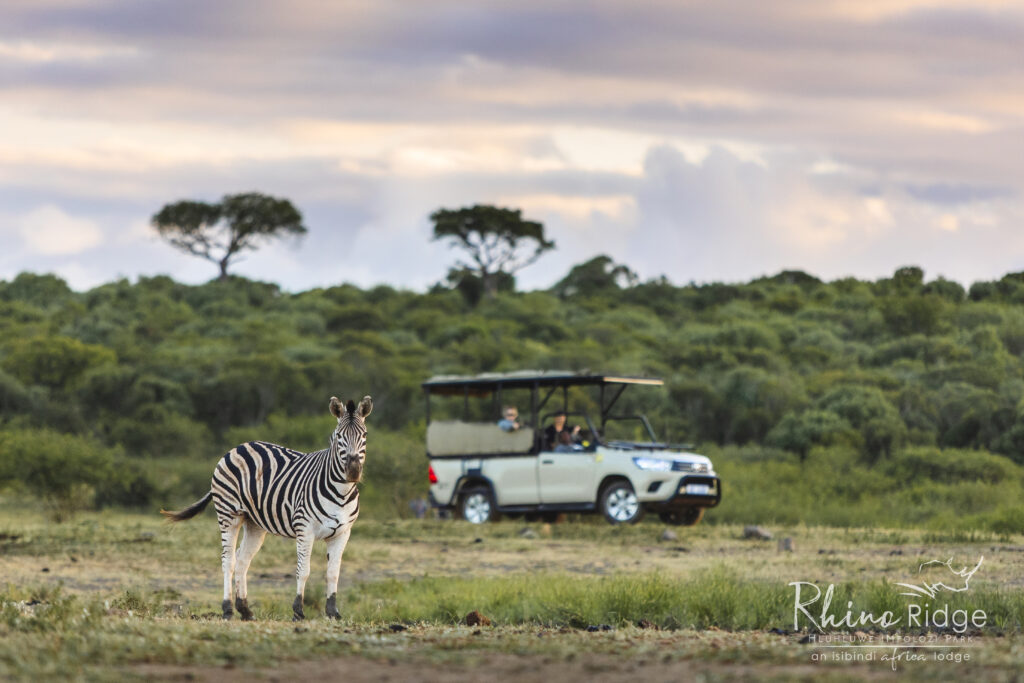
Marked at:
<point>679,466</point>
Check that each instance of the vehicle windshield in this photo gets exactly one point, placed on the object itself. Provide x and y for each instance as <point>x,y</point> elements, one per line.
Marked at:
<point>629,429</point>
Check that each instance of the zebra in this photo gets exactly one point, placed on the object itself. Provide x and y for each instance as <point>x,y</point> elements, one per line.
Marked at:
<point>263,487</point>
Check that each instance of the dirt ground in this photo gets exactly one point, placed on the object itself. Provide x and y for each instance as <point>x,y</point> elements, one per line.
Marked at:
<point>103,554</point>
<point>693,656</point>
<point>187,558</point>
<point>519,668</point>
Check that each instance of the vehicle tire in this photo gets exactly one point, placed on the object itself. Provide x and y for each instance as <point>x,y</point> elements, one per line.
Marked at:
<point>476,505</point>
<point>619,504</point>
<point>682,516</point>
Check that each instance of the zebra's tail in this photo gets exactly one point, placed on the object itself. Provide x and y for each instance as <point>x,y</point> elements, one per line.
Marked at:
<point>189,512</point>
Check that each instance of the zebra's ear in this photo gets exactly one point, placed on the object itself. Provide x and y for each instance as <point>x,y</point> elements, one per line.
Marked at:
<point>336,407</point>
<point>365,406</point>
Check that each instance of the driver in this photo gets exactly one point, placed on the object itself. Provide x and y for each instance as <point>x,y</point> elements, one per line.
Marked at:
<point>553,434</point>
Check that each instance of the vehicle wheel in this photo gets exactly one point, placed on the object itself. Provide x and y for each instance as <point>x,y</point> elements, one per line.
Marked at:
<point>619,504</point>
<point>682,516</point>
<point>476,505</point>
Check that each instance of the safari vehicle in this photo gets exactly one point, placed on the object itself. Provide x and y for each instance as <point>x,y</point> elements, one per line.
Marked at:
<point>482,472</point>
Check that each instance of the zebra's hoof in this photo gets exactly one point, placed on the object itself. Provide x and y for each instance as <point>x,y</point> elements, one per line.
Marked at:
<point>297,609</point>
<point>332,607</point>
<point>242,605</point>
<point>226,609</point>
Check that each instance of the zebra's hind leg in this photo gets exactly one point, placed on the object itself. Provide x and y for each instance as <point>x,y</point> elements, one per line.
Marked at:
<point>229,526</point>
<point>335,548</point>
<point>303,549</point>
<point>252,541</point>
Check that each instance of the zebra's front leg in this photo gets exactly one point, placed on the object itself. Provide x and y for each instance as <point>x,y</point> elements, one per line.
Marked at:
<point>303,549</point>
<point>335,548</point>
<point>229,527</point>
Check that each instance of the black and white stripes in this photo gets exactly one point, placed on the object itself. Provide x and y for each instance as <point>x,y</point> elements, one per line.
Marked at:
<point>263,487</point>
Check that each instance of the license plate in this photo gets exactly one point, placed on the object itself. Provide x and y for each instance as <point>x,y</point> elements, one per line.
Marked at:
<point>697,489</point>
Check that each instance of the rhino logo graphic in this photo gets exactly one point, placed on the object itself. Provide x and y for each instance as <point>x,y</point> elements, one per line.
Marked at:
<point>929,590</point>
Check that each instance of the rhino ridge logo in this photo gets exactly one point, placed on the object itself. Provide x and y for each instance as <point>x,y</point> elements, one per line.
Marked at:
<point>929,590</point>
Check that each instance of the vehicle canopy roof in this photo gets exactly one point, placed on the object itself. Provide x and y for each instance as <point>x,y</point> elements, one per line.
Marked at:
<point>490,381</point>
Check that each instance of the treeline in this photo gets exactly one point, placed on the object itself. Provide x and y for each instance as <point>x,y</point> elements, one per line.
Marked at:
<point>156,371</point>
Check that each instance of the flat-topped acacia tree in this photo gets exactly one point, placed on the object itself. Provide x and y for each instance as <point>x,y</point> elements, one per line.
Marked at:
<point>497,240</point>
<point>219,232</point>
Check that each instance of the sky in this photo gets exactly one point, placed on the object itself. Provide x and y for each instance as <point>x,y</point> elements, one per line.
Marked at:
<point>700,141</point>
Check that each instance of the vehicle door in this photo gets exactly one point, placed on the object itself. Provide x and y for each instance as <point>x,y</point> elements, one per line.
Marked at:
<point>514,478</point>
<point>566,477</point>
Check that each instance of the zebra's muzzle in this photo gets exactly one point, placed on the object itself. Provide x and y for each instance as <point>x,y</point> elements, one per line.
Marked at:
<point>354,472</point>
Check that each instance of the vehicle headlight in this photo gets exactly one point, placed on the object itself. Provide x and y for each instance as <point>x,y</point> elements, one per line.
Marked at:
<point>653,464</point>
<point>701,467</point>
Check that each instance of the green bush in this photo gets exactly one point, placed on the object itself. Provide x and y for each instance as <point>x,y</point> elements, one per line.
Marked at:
<point>919,487</point>
<point>53,362</point>
<point>800,432</point>
<point>952,466</point>
<point>843,374</point>
<point>71,473</point>
<point>153,432</point>
<point>62,469</point>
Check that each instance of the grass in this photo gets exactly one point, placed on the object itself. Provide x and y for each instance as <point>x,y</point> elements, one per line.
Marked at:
<point>137,636</point>
<point>717,599</point>
<point>122,592</point>
<point>117,647</point>
<point>558,600</point>
<point>915,488</point>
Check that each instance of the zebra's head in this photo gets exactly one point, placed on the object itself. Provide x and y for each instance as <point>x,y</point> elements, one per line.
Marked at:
<point>348,442</point>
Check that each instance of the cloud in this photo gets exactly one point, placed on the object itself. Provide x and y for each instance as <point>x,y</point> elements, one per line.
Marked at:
<point>49,231</point>
<point>948,222</point>
<point>944,121</point>
<point>704,140</point>
<point>35,52</point>
<point>573,208</point>
<point>958,193</point>
<point>727,219</point>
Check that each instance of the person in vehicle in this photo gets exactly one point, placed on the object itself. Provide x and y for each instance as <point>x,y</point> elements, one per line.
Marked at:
<point>510,419</point>
<point>553,432</point>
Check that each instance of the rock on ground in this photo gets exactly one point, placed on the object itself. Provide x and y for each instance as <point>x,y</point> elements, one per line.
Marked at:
<point>756,532</point>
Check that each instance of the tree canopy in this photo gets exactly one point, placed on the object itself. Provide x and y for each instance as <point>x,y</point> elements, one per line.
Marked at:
<point>496,240</point>
<point>219,232</point>
<point>155,370</point>
<point>599,275</point>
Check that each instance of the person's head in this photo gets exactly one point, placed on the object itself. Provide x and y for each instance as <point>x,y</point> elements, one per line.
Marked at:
<point>559,420</point>
<point>510,413</point>
<point>564,438</point>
